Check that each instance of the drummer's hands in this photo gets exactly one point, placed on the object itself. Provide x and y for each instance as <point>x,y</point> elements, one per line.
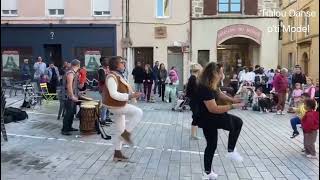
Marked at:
<point>75,99</point>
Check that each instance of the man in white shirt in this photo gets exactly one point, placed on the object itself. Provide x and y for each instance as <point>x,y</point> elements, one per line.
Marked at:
<point>39,68</point>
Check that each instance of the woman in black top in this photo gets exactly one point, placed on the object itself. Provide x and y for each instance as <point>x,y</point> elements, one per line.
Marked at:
<point>213,117</point>
<point>147,81</point>
<point>191,94</point>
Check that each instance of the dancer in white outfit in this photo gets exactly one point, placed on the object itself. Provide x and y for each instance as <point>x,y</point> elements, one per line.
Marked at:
<point>116,95</point>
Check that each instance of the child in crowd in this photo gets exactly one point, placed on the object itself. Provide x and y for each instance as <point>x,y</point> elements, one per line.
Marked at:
<point>296,94</point>
<point>258,97</point>
<point>310,125</point>
<point>300,111</point>
<point>171,82</point>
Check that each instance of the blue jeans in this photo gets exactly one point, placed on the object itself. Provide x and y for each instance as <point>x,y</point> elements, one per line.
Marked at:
<point>139,88</point>
<point>104,113</point>
<point>294,122</point>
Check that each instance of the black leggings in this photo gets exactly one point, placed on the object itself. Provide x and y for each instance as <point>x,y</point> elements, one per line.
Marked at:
<point>227,122</point>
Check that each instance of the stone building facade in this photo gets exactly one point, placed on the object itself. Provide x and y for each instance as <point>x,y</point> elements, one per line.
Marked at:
<point>301,48</point>
<point>235,34</point>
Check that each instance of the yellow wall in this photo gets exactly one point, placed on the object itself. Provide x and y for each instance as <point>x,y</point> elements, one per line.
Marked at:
<point>297,47</point>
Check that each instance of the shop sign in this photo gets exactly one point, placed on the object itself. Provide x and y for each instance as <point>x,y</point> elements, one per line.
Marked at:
<point>239,30</point>
<point>92,60</point>
<point>10,61</point>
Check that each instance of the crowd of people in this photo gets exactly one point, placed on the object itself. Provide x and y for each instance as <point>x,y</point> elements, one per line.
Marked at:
<point>210,99</point>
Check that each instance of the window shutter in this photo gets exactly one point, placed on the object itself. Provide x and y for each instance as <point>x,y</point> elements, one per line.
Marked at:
<point>55,4</point>
<point>9,4</point>
<point>209,7</point>
<point>251,7</point>
<point>101,5</point>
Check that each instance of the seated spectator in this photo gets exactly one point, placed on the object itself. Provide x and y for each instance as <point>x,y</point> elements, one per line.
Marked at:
<point>300,111</point>
<point>258,97</point>
<point>296,94</point>
<point>310,125</point>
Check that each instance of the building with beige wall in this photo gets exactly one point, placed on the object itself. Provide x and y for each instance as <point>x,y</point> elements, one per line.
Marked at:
<point>235,33</point>
<point>301,47</point>
<point>60,30</point>
<point>159,31</point>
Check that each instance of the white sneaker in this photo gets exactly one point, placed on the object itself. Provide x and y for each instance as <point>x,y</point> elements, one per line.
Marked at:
<point>278,112</point>
<point>195,138</point>
<point>311,156</point>
<point>210,176</point>
<point>234,156</point>
<point>283,113</point>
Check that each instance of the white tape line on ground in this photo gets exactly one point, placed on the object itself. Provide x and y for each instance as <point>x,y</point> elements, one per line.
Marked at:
<point>42,113</point>
<point>106,144</point>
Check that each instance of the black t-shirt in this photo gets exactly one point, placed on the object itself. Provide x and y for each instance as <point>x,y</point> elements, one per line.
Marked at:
<point>206,117</point>
<point>138,74</point>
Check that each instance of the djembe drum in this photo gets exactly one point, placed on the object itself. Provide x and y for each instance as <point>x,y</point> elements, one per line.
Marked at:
<point>88,119</point>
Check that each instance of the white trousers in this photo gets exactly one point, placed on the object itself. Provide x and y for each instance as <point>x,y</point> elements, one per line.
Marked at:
<point>130,113</point>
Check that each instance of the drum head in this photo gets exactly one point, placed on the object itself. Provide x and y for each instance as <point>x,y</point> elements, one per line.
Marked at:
<point>87,106</point>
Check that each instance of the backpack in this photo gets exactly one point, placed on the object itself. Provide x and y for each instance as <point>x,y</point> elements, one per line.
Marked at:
<point>15,114</point>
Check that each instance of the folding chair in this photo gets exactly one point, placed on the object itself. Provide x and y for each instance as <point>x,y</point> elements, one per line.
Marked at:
<point>45,92</point>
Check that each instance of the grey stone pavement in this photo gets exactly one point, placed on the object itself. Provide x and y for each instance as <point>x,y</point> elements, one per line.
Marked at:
<point>163,149</point>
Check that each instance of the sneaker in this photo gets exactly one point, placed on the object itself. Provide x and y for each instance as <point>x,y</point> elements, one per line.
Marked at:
<point>294,135</point>
<point>283,113</point>
<point>234,156</point>
<point>210,176</point>
<point>194,138</point>
<point>108,120</point>
<point>278,113</point>
<point>303,150</point>
<point>311,156</point>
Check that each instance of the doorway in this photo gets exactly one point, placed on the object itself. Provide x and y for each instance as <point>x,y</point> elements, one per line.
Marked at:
<point>175,58</point>
<point>53,54</point>
<point>143,55</point>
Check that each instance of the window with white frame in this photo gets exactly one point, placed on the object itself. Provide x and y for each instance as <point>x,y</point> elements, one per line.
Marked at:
<point>55,7</point>
<point>9,8</point>
<point>163,8</point>
<point>101,8</point>
<point>229,6</point>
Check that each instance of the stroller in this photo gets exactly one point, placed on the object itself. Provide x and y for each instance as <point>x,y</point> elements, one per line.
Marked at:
<point>246,92</point>
<point>181,103</point>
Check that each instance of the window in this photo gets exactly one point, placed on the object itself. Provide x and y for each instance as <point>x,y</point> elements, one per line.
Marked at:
<point>163,8</point>
<point>203,57</point>
<point>290,61</point>
<point>306,22</point>
<point>55,7</point>
<point>101,8</point>
<point>291,24</point>
<point>280,29</point>
<point>229,6</point>
<point>9,8</point>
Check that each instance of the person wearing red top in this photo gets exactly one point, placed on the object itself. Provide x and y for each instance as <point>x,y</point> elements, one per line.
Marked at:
<point>281,86</point>
<point>83,78</point>
<point>310,125</point>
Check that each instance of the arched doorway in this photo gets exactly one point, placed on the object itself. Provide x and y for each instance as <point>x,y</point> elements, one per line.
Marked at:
<point>238,45</point>
<point>237,52</point>
<point>305,61</point>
